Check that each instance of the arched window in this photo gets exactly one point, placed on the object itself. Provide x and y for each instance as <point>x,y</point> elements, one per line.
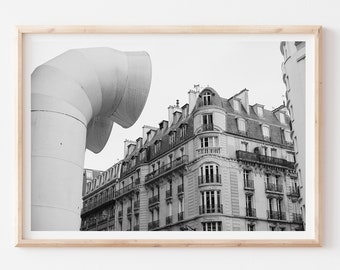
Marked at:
<point>206,98</point>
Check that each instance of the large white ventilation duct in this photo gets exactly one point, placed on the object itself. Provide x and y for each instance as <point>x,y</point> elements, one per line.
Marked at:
<point>76,98</point>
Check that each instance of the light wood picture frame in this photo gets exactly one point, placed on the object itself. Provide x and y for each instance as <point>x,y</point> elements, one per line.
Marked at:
<point>286,36</point>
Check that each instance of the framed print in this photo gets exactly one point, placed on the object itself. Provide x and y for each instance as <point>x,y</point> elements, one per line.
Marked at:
<point>168,136</point>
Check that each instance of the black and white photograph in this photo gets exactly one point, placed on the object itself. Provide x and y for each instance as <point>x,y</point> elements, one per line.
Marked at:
<point>175,134</point>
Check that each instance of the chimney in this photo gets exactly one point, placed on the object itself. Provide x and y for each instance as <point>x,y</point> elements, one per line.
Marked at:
<point>127,143</point>
<point>243,96</point>
<point>193,94</point>
<point>145,132</point>
<point>170,114</point>
<point>185,109</point>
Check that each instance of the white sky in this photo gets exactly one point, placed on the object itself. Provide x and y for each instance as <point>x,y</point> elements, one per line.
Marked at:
<point>226,63</point>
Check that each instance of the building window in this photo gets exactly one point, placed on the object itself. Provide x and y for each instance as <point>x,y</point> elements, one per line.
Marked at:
<point>241,125</point>
<point>273,152</point>
<point>209,142</point>
<point>288,136</point>
<point>265,132</point>
<point>212,226</point>
<point>209,174</point>
<point>260,111</point>
<point>133,162</point>
<point>183,131</point>
<point>143,154</point>
<point>211,202</point>
<point>290,157</point>
<point>207,122</point>
<point>206,98</point>
<point>244,146</point>
<point>251,227</point>
<point>157,146</point>
<point>172,138</point>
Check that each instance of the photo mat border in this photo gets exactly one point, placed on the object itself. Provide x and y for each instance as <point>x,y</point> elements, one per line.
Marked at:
<point>21,241</point>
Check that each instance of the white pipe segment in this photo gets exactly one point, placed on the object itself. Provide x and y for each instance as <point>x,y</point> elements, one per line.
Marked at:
<point>76,98</point>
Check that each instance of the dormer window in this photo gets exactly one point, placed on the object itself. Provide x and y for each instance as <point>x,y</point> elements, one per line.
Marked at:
<point>183,131</point>
<point>172,137</point>
<point>157,146</point>
<point>265,132</point>
<point>241,125</point>
<point>206,98</point>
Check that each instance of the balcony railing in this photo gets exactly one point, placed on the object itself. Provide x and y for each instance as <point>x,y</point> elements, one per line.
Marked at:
<point>276,215</point>
<point>124,190</point>
<point>136,227</point>
<point>92,223</point>
<point>208,209</point>
<point>168,194</point>
<point>209,179</point>
<point>153,224</point>
<point>154,200</point>
<point>293,192</point>
<point>208,127</point>
<point>99,203</point>
<point>249,184</point>
<point>102,219</point>
<point>209,150</point>
<point>168,220</point>
<point>297,218</point>
<point>271,187</point>
<point>250,212</point>
<point>171,166</point>
<point>257,158</point>
<point>180,189</point>
<point>180,216</point>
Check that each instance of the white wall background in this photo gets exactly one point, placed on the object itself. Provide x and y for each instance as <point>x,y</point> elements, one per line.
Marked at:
<point>181,12</point>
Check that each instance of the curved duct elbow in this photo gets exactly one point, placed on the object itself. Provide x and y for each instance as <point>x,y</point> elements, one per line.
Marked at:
<point>97,86</point>
<point>76,98</point>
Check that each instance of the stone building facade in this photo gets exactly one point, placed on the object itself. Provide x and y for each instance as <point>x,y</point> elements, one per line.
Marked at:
<point>215,164</point>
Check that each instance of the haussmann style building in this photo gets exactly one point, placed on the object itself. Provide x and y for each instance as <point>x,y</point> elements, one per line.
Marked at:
<point>216,164</point>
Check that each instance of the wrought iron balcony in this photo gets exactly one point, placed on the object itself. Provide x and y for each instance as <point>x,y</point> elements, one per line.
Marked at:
<point>125,190</point>
<point>249,184</point>
<point>293,192</point>
<point>167,168</point>
<point>92,223</point>
<point>209,209</point>
<point>180,189</point>
<point>209,179</point>
<point>208,127</point>
<point>271,187</point>
<point>297,218</point>
<point>276,215</point>
<point>102,219</point>
<point>153,224</point>
<point>168,220</point>
<point>168,194</point>
<point>209,150</point>
<point>180,216</point>
<point>257,158</point>
<point>154,200</point>
<point>250,212</point>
